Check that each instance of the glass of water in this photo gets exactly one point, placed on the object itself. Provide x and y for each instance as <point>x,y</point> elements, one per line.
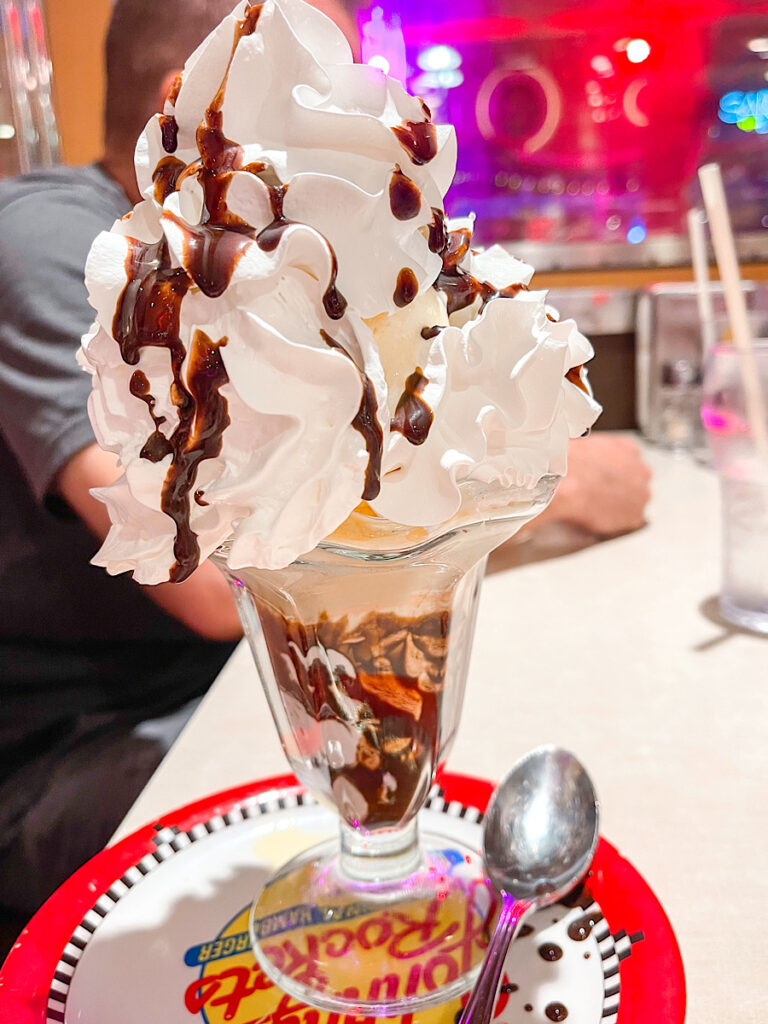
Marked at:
<point>743,472</point>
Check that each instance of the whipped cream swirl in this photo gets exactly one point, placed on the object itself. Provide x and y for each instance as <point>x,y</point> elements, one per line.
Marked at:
<point>286,325</point>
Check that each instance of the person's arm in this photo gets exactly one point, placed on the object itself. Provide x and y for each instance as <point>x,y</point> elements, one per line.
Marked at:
<point>203,603</point>
<point>606,489</point>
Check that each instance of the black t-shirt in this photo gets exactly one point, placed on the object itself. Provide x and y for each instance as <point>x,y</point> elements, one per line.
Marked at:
<point>73,640</point>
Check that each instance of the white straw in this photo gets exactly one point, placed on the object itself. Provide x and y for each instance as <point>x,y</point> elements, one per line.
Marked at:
<point>701,277</point>
<point>725,252</point>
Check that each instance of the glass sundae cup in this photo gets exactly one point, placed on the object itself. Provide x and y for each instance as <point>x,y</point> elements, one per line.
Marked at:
<point>363,647</point>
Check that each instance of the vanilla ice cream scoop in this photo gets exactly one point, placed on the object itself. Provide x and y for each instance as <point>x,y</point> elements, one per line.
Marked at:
<point>286,326</point>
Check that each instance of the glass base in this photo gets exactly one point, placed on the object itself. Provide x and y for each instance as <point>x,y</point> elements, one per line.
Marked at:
<point>754,619</point>
<point>355,946</point>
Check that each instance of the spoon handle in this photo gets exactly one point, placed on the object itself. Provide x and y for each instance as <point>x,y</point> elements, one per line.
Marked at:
<point>479,1009</point>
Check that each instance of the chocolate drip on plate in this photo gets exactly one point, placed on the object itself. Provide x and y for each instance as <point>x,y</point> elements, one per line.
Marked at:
<point>418,139</point>
<point>550,952</point>
<point>580,929</point>
<point>407,288</point>
<point>404,196</point>
<point>413,418</point>
<point>169,131</point>
<point>556,1011</point>
<point>367,424</point>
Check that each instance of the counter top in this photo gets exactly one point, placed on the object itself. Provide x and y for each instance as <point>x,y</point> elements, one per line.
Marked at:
<point>616,651</point>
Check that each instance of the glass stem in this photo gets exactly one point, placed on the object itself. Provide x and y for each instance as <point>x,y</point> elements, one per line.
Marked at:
<point>385,856</point>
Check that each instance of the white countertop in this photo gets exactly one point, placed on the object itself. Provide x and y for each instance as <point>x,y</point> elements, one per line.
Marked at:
<point>615,651</point>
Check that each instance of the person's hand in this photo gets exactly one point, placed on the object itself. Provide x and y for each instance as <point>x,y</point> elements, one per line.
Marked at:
<point>606,489</point>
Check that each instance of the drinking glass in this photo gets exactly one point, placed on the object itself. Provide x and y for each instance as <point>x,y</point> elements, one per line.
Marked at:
<point>743,472</point>
<point>363,646</point>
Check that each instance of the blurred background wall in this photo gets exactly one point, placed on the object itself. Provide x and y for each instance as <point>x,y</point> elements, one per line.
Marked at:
<point>76,30</point>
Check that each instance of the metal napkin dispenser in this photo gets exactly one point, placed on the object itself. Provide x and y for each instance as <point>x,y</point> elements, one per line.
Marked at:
<point>670,356</point>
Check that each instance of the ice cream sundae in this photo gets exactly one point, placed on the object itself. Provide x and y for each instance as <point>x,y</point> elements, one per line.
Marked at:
<point>311,375</point>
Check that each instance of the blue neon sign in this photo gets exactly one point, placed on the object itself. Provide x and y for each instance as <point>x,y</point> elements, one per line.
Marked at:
<point>747,110</point>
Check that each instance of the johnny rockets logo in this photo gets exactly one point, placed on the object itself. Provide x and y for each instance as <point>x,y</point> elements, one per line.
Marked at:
<point>232,987</point>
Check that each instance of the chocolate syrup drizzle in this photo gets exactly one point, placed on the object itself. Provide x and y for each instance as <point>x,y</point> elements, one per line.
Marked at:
<point>413,417</point>
<point>574,376</point>
<point>166,176</point>
<point>438,232</point>
<point>428,333</point>
<point>418,139</point>
<point>367,424</point>
<point>149,310</point>
<point>404,196</point>
<point>169,130</point>
<point>460,287</point>
<point>407,288</point>
<point>148,315</point>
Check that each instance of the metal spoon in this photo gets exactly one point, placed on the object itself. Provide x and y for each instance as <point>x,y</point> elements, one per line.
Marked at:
<point>539,838</point>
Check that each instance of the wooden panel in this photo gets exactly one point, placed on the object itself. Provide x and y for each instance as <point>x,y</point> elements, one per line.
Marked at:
<point>76,30</point>
<point>634,278</point>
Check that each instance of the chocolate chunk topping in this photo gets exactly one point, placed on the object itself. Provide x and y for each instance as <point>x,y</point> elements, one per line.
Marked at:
<point>550,951</point>
<point>169,131</point>
<point>166,177</point>
<point>404,196</point>
<point>407,287</point>
<point>367,424</point>
<point>556,1011</point>
<point>418,139</point>
<point>413,418</point>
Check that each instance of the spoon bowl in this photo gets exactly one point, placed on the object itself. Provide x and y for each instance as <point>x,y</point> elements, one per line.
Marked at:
<point>539,837</point>
<point>541,827</point>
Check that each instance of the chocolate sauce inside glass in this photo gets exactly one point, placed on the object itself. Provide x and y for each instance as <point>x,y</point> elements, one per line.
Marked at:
<point>428,333</point>
<point>580,929</point>
<point>166,177</point>
<point>367,424</point>
<point>169,131</point>
<point>556,1011</point>
<point>419,139</point>
<point>413,417</point>
<point>404,196</point>
<point>407,288</point>
<point>396,711</point>
<point>550,951</point>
